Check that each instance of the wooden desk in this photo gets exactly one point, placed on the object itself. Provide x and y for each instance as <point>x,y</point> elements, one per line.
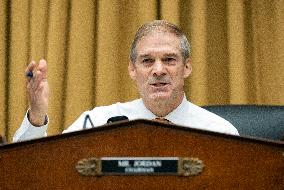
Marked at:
<point>231,162</point>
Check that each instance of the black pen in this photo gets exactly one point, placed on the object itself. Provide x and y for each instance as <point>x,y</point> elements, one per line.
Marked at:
<point>30,74</point>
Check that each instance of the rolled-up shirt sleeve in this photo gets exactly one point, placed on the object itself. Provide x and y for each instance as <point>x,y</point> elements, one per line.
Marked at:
<point>28,131</point>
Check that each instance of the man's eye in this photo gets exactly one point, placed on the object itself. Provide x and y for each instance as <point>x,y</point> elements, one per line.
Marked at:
<point>169,59</point>
<point>147,60</point>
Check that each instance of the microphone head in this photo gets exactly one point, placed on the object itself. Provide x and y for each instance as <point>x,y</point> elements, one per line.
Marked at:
<point>117,118</point>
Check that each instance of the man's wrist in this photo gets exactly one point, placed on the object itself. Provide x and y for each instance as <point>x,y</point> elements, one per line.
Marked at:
<point>39,121</point>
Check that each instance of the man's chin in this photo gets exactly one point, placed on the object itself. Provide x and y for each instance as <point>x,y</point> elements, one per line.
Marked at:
<point>160,96</point>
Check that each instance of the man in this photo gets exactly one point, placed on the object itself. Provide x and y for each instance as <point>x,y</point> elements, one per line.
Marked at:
<point>159,63</point>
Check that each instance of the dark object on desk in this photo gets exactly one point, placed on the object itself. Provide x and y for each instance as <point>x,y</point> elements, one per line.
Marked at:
<point>252,120</point>
<point>117,118</point>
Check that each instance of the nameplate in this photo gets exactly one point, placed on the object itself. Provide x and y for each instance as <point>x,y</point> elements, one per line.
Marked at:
<point>139,166</point>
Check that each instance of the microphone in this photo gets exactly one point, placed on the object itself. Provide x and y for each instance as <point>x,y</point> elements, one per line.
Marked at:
<point>87,117</point>
<point>117,118</point>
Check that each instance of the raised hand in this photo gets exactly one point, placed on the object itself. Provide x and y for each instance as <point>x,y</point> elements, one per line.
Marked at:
<point>37,87</point>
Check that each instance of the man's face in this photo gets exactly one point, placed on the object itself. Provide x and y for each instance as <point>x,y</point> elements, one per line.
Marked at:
<point>160,70</point>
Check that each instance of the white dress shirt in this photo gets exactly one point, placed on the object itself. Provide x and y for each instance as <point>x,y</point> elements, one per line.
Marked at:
<point>186,114</point>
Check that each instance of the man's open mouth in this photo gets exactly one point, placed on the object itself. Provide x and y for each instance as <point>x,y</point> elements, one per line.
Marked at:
<point>159,84</point>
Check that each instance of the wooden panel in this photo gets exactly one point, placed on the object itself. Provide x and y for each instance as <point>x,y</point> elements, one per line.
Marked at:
<point>230,161</point>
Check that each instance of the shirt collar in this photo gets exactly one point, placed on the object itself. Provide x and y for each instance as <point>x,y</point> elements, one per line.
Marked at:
<point>177,114</point>
<point>174,116</point>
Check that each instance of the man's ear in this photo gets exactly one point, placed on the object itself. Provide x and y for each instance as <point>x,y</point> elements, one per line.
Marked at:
<point>187,68</point>
<point>132,70</point>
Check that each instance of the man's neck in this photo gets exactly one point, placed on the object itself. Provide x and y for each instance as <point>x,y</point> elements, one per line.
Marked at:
<point>163,107</point>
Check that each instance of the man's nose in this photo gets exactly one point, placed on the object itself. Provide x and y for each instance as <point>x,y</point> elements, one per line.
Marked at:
<point>159,68</point>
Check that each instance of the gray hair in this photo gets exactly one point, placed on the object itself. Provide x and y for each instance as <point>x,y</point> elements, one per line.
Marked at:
<point>161,26</point>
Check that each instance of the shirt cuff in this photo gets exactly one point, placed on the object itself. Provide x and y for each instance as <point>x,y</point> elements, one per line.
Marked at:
<point>28,131</point>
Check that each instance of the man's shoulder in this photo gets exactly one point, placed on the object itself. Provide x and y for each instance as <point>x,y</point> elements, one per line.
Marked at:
<point>208,120</point>
<point>201,112</point>
<point>117,105</point>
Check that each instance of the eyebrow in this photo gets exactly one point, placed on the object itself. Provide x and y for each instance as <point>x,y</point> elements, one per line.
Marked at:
<point>144,56</point>
<point>171,55</point>
<point>167,55</point>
